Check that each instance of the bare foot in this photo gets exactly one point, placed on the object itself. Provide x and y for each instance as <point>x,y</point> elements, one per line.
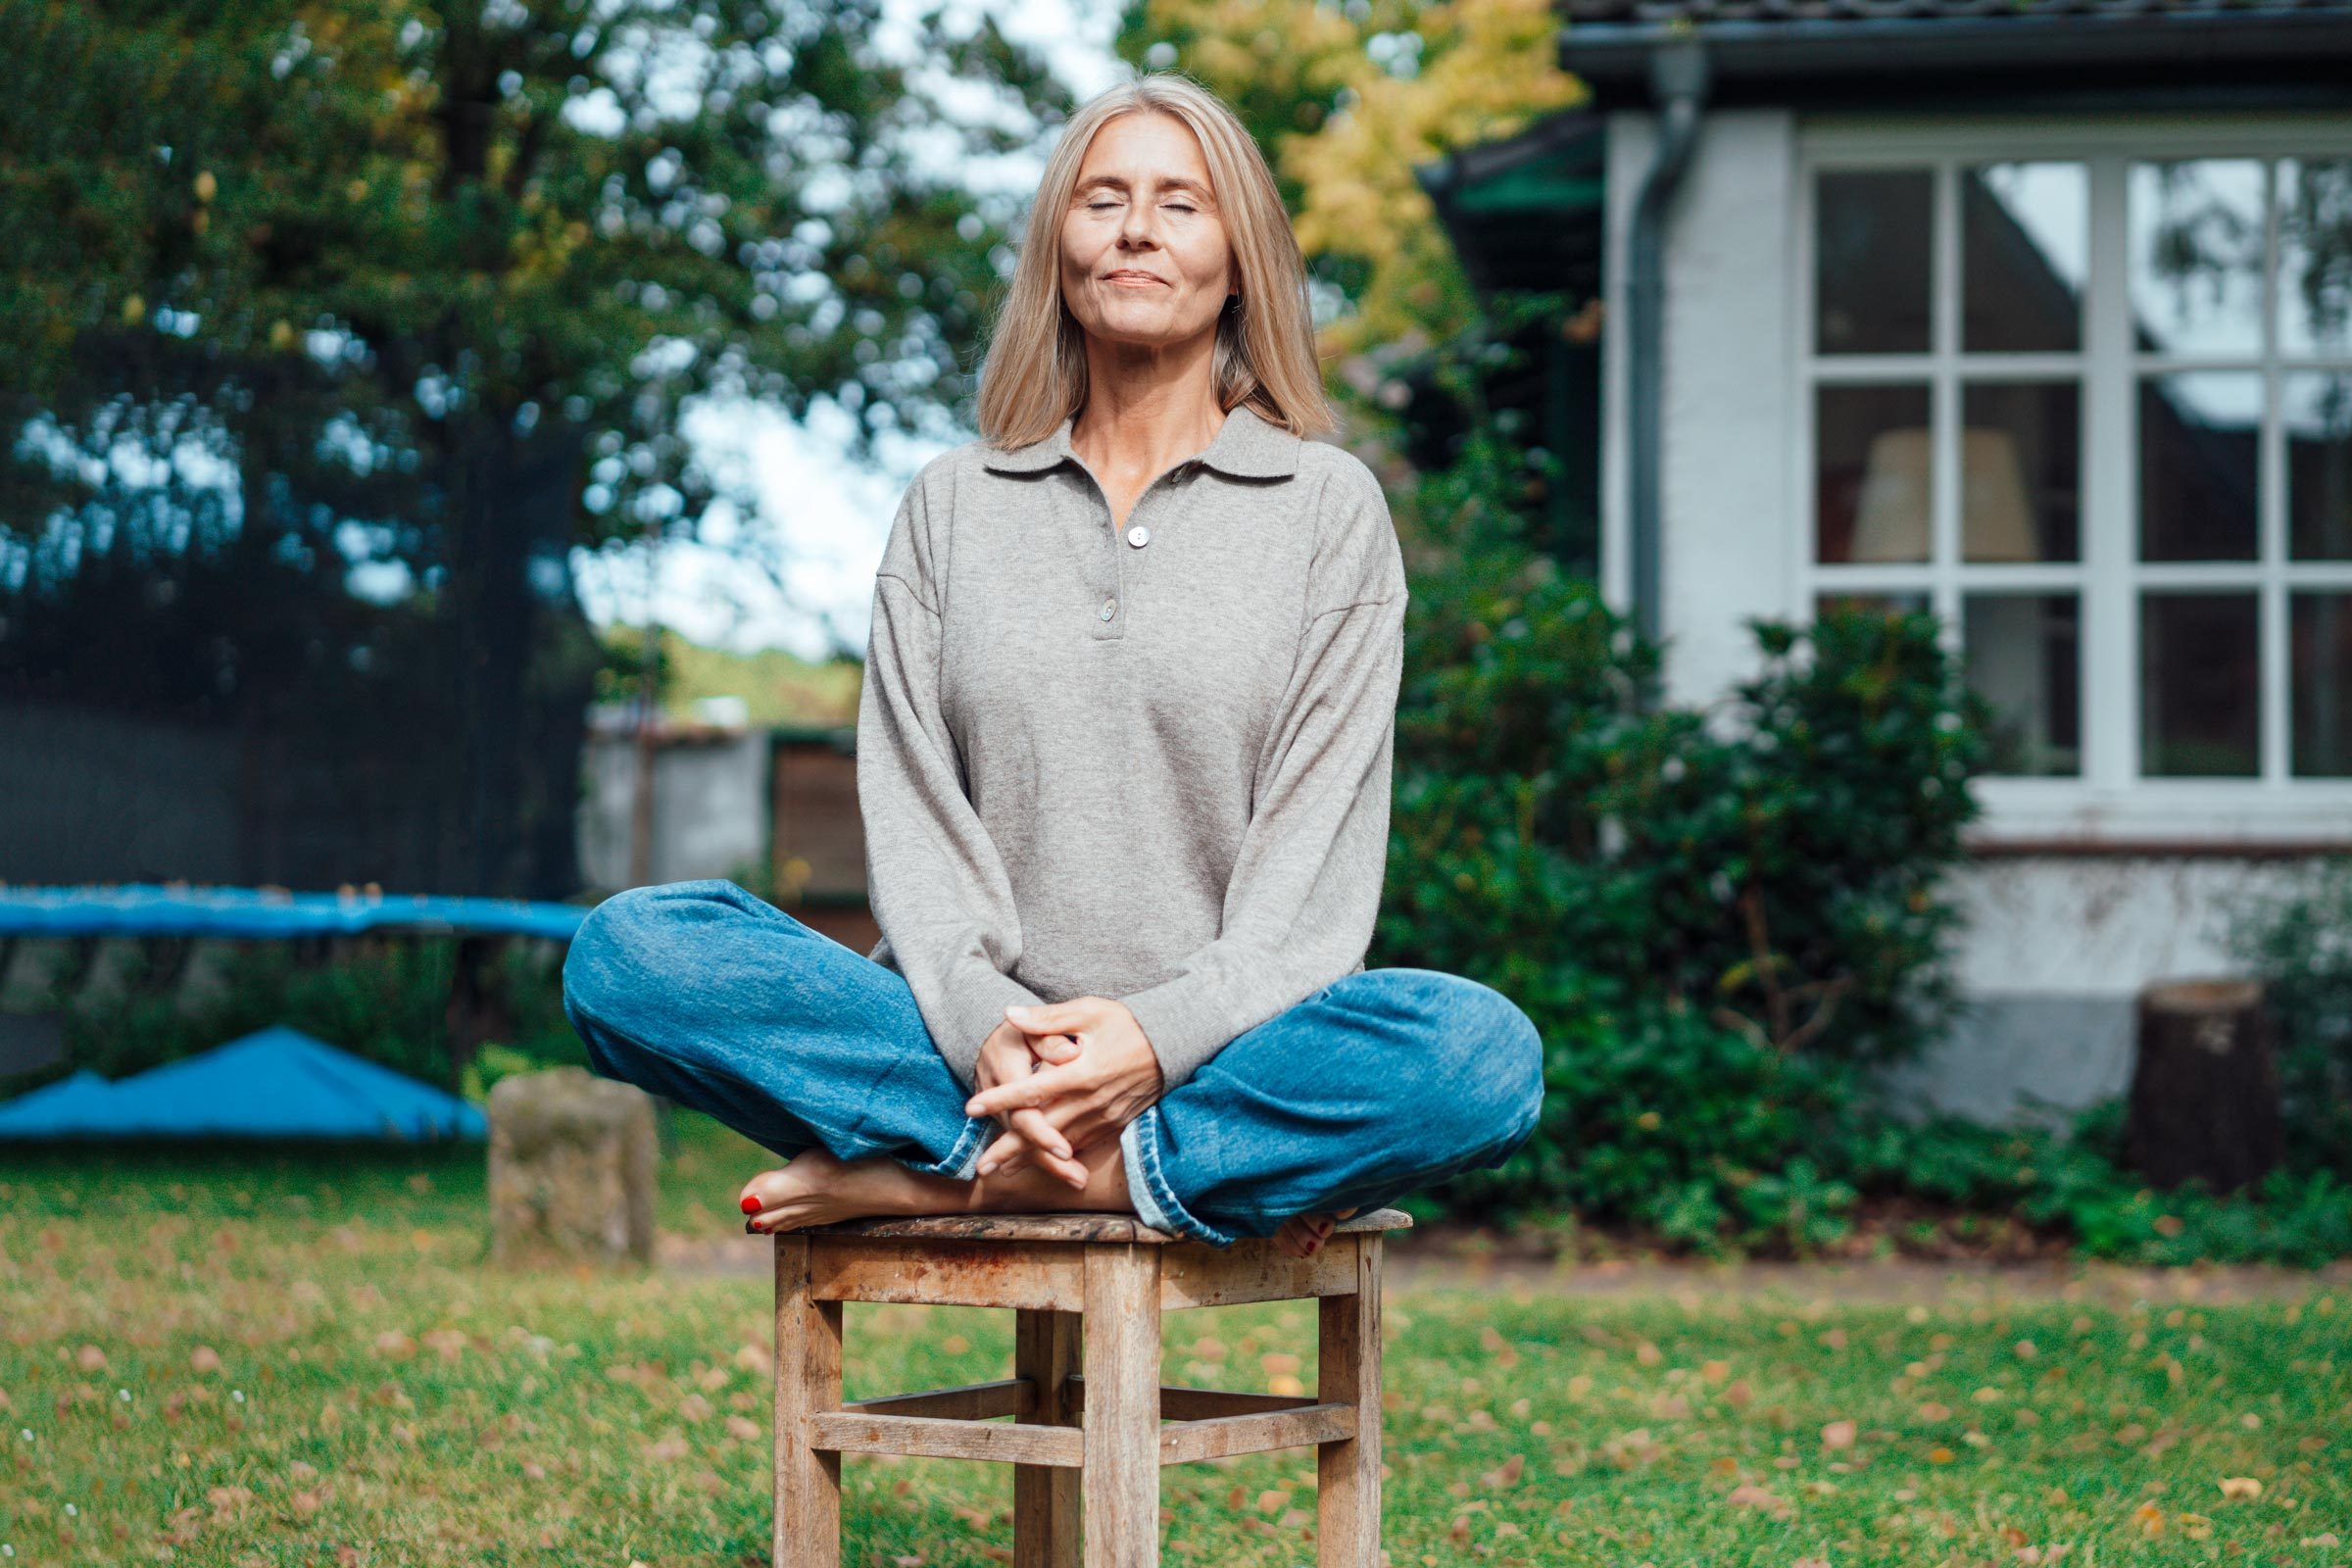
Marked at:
<point>1305,1234</point>
<point>816,1189</point>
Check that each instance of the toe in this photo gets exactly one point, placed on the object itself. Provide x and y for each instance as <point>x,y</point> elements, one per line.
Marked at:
<point>762,1192</point>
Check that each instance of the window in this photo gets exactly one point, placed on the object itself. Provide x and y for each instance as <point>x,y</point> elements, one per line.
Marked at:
<point>2089,398</point>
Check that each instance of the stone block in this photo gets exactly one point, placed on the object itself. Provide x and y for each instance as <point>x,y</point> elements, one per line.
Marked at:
<point>572,1167</point>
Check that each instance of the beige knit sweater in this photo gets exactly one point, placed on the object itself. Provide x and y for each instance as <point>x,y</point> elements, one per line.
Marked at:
<point>1151,764</point>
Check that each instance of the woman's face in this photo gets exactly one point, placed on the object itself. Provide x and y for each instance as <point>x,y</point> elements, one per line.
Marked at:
<point>1144,255</point>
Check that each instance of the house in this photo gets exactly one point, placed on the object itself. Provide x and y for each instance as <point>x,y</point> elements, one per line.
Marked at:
<point>771,805</point>
<point>2035,312</point>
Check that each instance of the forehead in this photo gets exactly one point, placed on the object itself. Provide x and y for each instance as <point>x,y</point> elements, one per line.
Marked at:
<point>1141,147</point>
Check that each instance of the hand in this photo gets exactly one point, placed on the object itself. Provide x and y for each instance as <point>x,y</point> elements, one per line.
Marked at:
<point>1010,1054</point>
<point>1087,1100</point>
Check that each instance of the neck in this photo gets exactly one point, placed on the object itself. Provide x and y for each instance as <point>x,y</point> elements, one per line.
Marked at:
<point>1143,419</point>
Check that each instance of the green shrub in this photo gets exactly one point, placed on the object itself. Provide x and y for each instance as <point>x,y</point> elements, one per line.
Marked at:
<point>2299,942</point>
<point>2074,1182</point>
<point>1715,919</point>
<point>1721,923</point>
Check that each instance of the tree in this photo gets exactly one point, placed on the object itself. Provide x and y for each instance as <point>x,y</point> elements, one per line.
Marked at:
<point>430,287</point>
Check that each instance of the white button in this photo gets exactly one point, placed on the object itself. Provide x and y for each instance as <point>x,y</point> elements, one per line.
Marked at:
<point>1139,536</point>
<point>1110,608</point>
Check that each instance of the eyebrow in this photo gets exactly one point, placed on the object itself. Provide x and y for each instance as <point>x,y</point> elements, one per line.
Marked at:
<point>1172,182</point>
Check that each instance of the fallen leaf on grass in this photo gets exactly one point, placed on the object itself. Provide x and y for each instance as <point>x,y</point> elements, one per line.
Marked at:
<point>204,1358</point>
<point>2240,1487</point>
<point>1750,1496</point>
<point>1839,1435</point>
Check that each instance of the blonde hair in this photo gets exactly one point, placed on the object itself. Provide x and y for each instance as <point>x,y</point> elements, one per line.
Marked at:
<point>1035,372</point>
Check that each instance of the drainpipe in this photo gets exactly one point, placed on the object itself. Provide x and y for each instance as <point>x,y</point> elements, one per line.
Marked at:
<point>1677,82</point>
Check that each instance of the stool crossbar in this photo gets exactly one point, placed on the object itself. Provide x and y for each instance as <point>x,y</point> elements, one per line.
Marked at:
<point>1086,1441</point>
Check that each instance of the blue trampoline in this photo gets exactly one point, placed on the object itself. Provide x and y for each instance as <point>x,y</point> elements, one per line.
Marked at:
<point>274,1083</point>
<point>143,908</point>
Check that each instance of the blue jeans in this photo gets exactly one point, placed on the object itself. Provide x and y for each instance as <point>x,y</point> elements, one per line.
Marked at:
<point>1382,1083</point>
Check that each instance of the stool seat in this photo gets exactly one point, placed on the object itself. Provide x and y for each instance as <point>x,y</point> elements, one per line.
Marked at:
<point>1086,1437</point>
<point>1076,1225</point>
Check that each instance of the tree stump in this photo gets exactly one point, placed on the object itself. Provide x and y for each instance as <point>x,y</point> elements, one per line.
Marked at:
<point>572,1167</point>
<point>2205,1089</point>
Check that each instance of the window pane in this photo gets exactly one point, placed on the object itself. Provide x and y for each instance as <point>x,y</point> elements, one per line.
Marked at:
<point>2320,666</point>
<point>2023,655</point>
<point>2020,471</point>
<point>2196,256</point>
<point>2317,414</point>
<point>1870,247</point>
<point>2025,235</point>
<point>2315,257</point>
<point>1871,475</point>
<point>2199,679</point>
<point>2197,440</point>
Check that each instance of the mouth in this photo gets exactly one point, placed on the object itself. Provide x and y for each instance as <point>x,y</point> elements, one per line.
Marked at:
<point>1130,278</point>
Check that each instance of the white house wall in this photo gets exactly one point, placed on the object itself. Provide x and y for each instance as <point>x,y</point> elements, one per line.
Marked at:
<point>1725,433</point>
<point>2054,953</point>
<point>2054,947</point>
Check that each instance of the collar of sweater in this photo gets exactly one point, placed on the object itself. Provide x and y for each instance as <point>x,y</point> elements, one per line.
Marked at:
<point>1248,444</point>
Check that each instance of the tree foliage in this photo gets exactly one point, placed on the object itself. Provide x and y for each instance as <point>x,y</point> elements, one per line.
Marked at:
<point>297,292</point>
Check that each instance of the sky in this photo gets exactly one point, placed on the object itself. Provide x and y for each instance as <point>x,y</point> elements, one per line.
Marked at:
<point>801,575</point>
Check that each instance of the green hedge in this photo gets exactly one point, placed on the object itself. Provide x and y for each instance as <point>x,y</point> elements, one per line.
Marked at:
<point>1724,921</point>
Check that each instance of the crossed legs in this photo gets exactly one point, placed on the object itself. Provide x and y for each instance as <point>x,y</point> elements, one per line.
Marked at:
<point>1384,1082</point>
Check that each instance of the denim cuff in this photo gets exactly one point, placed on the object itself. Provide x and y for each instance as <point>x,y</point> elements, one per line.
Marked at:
<point>1148,1189</point>
<point>978,1133</point>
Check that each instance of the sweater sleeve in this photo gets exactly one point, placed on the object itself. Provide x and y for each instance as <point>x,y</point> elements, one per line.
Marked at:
<point>937,885</point>
<point>1306,885</point>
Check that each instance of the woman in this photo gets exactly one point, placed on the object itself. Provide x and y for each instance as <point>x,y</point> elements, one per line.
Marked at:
<point>1124,759</point>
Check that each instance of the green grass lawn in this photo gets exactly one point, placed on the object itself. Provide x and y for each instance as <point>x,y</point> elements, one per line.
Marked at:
<point>292,1358</point>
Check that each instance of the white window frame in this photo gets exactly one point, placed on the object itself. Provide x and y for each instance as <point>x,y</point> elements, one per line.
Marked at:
<point>2108,803</point>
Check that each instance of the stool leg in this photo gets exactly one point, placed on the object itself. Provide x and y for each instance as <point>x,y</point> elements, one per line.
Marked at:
<point>1122,1405</point>
<point>1045,1496</point>
<point>1348,1471</point>
<point>807,1502</point>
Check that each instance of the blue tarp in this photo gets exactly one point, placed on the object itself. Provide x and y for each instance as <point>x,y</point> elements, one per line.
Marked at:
<point>276,1083</point>
<point>143,908</point>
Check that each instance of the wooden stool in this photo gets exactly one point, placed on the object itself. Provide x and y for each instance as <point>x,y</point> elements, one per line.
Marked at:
<point>1052,1269</point>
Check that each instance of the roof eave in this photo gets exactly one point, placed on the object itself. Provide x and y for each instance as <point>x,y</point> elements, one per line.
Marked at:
<point>2276,56</point>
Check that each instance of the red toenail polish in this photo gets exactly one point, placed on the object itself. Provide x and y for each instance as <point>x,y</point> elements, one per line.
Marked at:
<point>751,1226</point>
<point>751,1205</point>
